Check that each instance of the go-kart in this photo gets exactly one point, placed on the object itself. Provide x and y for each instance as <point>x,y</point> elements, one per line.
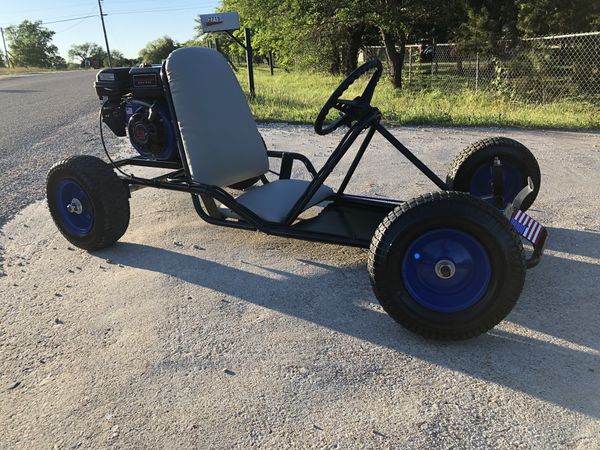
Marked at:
<point>447,265</point>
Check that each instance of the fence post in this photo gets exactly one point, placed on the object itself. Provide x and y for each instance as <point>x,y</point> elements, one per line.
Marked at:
<point>432,59</point>
<point>477,72</point>
<point>271,61</point>
<point>409,64</point>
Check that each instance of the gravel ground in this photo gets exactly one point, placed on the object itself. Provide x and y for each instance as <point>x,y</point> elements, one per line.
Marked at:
<point>189,335</point>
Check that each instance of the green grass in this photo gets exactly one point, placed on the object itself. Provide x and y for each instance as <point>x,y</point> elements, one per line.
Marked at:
<point>297,96</point>
<point>5,71</point>
<point>22,70</point>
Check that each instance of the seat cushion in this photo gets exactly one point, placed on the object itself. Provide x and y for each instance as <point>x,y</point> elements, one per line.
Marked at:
<point>221,142</point>
<point>273,201</point>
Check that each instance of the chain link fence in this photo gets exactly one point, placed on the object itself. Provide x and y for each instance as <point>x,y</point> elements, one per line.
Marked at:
<point>537,69</point>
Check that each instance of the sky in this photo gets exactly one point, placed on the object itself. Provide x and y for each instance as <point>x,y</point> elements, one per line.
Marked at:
<point>130,24</point>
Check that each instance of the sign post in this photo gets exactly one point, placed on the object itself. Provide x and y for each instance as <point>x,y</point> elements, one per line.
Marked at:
<point>249,61</point>
<point>228,22</point>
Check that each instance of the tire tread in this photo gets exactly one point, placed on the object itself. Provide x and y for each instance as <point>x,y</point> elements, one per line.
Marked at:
<point>384,237</point>
<point>461,160</point>
<point>106,188</point>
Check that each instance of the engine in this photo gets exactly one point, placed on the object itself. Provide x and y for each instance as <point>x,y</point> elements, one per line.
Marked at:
<point>134,105</point>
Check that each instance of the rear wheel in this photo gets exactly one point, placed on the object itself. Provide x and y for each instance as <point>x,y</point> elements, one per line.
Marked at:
<point>446,265</point>
<point>473,169</point>
<point>88,202</point>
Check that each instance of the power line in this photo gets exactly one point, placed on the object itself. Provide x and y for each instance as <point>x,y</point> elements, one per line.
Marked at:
<point>83,18</point>
<point>71,27</point>
<point>69,20</point>
<point>62,19</point>
<point>144,11</point>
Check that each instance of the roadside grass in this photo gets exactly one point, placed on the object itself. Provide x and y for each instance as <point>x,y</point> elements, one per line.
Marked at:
<point>23,70</point>
<point>297,96</point>
<point>5,71</point>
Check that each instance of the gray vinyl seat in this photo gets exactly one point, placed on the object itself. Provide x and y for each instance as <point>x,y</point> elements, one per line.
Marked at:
<point>221,142</point>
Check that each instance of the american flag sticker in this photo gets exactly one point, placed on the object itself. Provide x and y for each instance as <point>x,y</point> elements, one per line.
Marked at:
<point>526,226</point>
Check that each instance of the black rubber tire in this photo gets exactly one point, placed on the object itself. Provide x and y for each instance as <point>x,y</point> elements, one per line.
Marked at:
<point>465,164</point>
<point>107,193</point>
<point>243,185</point>
<point>447,210</point>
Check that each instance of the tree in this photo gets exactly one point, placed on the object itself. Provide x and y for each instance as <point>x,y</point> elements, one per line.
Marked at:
<point>328,34</point>
<point>398,21</point>
<point>119,60</point>
<point>489,25</point>
<point>31,45</point>
<point>543,17</point>
<point>58,62</point>
<point>2,59</point>
<point>96,54</point>
<point>157,50</point>
<point>307,33</point>
<point>338,33</point>
<point>87,51</point>
<point>194,42</point>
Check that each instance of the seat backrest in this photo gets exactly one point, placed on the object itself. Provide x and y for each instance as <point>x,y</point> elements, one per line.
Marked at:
<point>220,139</point>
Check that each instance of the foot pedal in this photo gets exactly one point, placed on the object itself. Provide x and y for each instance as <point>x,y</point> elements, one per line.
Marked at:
<point>526,226</point>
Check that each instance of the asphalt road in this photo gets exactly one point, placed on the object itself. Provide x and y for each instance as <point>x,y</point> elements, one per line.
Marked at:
<point>43,118</point>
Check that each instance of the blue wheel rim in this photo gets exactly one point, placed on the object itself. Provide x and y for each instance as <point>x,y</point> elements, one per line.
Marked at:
<point>426,257</point>
<point>481,185</point>
<point>74,207</point>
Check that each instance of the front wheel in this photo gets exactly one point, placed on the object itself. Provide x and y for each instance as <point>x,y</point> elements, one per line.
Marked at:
<point>88,202</point>
<point>446,265</point>
<point>495,170</point>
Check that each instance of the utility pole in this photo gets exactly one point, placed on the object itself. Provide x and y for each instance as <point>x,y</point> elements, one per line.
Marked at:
<point>105,37</point>
<point>5,50</point>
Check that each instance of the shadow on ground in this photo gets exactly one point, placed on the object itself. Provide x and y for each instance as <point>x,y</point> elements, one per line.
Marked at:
<point>559,300</point>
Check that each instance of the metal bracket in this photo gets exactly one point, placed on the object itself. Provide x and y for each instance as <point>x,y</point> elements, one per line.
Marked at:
<point>538,248</point>
<point>285,172</point>
<point>519,199</point>
<point>498,183</point>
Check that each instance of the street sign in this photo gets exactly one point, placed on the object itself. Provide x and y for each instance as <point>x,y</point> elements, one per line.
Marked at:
<point>225,21</point>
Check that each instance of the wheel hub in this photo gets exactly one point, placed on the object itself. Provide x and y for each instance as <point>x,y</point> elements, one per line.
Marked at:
<point>445,269</point>
<point>75,207</point>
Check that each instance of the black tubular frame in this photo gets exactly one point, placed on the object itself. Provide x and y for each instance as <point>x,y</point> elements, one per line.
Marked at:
<point>204,196</point>
<point>179,178</point>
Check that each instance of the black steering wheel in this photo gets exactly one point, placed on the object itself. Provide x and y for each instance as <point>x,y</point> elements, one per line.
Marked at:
<point>347,107</point>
